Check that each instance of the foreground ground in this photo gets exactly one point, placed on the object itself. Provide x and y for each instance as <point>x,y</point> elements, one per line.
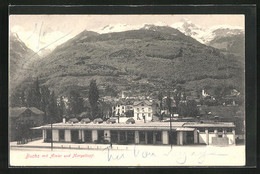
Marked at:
<point>38,153</point>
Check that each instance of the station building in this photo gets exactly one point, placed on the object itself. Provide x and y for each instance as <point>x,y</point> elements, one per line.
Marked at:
<point>180,133</point>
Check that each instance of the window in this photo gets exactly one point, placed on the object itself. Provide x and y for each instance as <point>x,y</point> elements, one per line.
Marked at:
<point>61,135</point>
<point>149,115</point>
<point>158,136</point>
<point>137,109</point>
<point>88,136</point>
<point>143,109</point>
<point>142,104</point>
<point>122,107</point>
<point>142,137</point>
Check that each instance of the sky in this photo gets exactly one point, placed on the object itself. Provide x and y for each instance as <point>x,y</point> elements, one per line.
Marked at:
<point>38,31</point>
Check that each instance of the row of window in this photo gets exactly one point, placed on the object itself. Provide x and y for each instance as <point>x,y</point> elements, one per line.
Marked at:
<point>129,107</point>
<point>149,114</point>
<point>210,130</point>
<point>149,109</point>
<point>123,136</point>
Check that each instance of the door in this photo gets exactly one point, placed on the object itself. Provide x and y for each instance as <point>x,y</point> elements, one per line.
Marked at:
<point>190,137</point>
<point>173,137</point>
<point>149,137</point>
<point>114,136</point>
<point>100,136</point>
<point>130,137</point>
<point>74,136</point>
<point>49,135</point>
<point>142,137</point>
<point>88,136</point>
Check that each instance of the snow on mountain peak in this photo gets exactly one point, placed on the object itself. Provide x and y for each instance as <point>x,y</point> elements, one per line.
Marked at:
<point>117,28</point>
<point>226,27</point>
<point>204,35</point>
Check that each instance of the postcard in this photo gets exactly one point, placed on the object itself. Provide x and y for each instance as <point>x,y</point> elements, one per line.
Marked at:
<point>127,90</point>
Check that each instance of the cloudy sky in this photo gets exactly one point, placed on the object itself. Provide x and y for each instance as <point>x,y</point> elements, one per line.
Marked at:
<point>38,31</point>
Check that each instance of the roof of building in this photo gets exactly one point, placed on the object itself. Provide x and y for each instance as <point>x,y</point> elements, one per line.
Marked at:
<point>139,126</point>
<point>210,124</point>
<point>36,111</point>
<point>16,111</point>
<point>144,101</point>
<point>124,102</point>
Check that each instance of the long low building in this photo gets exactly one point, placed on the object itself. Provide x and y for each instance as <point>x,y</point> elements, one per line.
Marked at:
<point>179,133</point>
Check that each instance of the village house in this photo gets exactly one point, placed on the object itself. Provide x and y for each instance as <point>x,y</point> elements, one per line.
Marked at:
<point>121,107</point>
<point>22,115</point>
<point>145,110</point>
<point>180,133</point>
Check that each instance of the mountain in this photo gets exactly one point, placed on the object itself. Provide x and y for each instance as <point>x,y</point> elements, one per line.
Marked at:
<point>227,40</point>
<point>205,35</point>
<point>190,29</point>
<point>20,60</point>
<point>224,37</point>
<point>143,61</point>
<point>232,36</point>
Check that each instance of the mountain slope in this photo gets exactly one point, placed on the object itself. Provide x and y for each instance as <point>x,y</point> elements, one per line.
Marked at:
<point>142,61</point>
<point>234,43</point>
<point>20,60</point>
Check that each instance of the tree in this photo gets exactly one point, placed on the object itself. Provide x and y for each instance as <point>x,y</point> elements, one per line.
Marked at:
<point>192,109</point>
<point>45,98</point>
<point>160,97</point>
<point>22,98</point>
<point>52,111</point>
<point>33,98</point>
<point>30,97</point>
<point>75,102</point>
<point>169,103</point>
<point>37,97</point>
<point>109,91</point>
<point>93,98</point>
<point>61,107</point>
<point>16,99</point>
<point>180,54</point>
<point>188,109</point>
<point>177,98</point>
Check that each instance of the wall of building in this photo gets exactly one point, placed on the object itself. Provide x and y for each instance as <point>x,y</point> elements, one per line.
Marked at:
<point>145,110</point>
<point>210,137</point>
<point>231,139</point>
<point>67,136</point>
<point>137,137</point>
<point>202,137</point>
<point>94,135</point>
<point>165,137</point>
<point>55,135</point>
<point>121,109</point>
<point>44,136</point>
<point>195,134</point>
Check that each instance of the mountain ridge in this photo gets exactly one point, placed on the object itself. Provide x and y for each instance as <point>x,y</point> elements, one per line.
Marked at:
<point>156,58</point>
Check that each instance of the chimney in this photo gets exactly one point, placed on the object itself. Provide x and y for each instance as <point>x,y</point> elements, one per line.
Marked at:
<point>63,120</point>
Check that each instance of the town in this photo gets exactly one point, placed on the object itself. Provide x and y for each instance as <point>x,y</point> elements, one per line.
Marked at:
<point>175,117</point>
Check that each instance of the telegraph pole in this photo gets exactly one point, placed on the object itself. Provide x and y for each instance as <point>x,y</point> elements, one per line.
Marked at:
<point>51,137</point>
<point>171,128</point>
